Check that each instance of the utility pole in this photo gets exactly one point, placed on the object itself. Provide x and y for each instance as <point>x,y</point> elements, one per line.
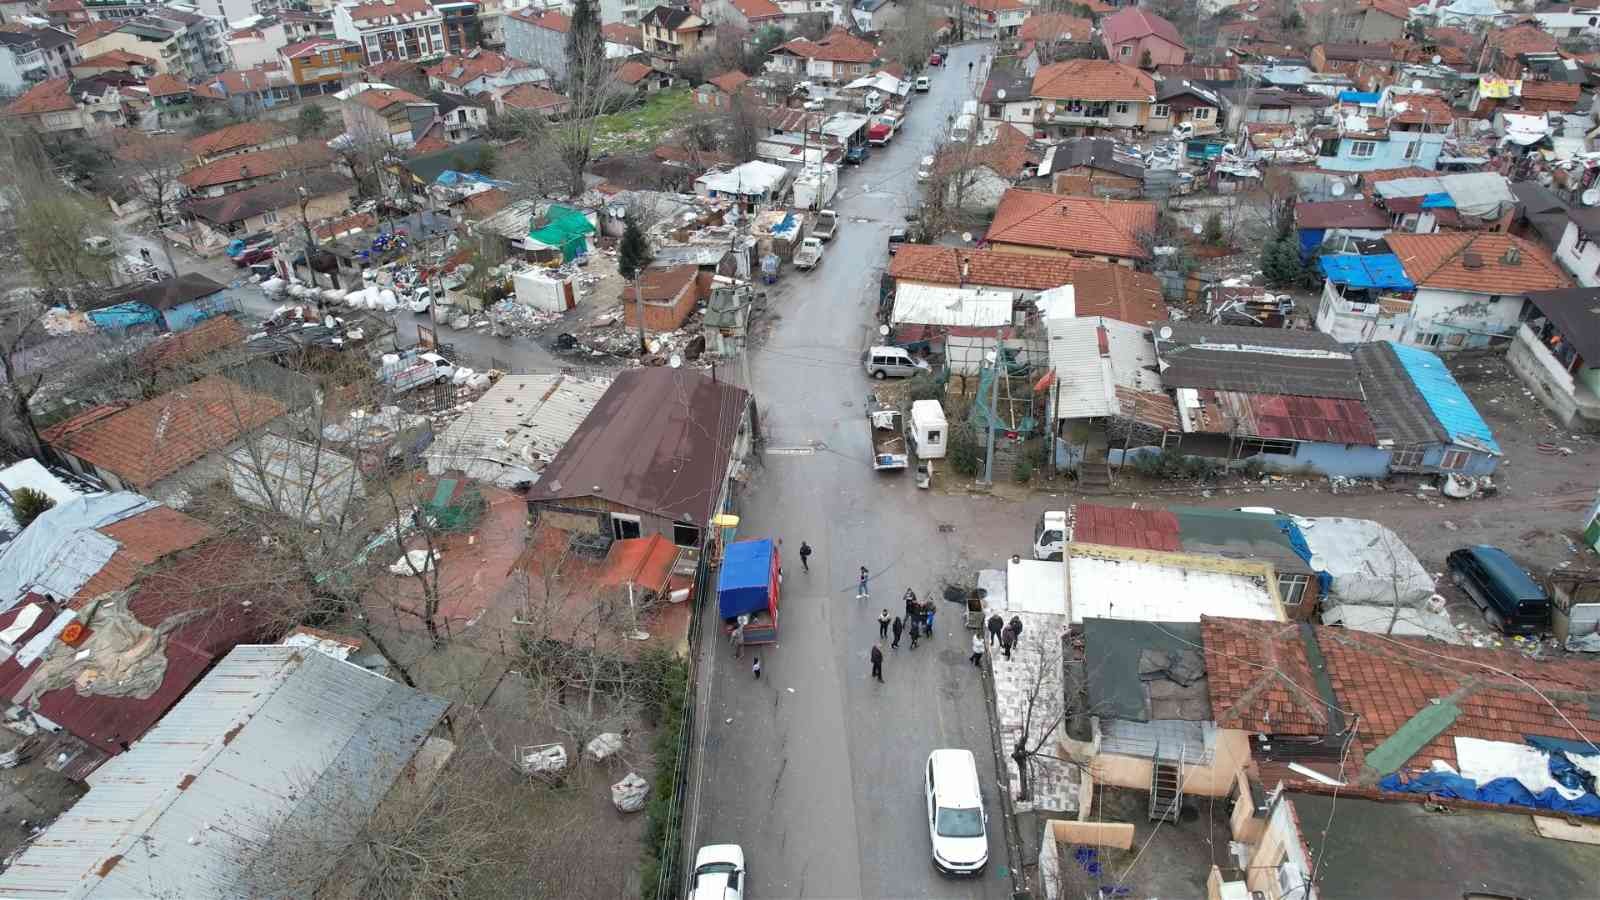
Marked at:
<point>994,394</point>
<point>638,299</point>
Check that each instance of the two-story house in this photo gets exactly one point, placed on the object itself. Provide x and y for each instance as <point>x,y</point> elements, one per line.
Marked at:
<point>246,170</point>
<point>991,19</point>
<point>718,91</point>
<point>1402,129</point>
<point>1042,224</point>
<point>1184,105</point>
<point>1141,38</point>
<point>320,65</point>
<point>172,101</point>
<point>1368,22</point>
<point>1470,286</point>
<point>480,71</point>
<point>55,107</point>
<point>240,137</point>
<point>746,16</point>
<point>671,33</point>
<point>1078,96</point>
<point>539,37</point>
<point>248,92</point>
<point>390,30</point>
<point>387,115</point>
<point>837,58</point>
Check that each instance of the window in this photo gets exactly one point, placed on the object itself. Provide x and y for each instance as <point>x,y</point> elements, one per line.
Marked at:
<point>685,534</point>
<point>1253,446</point>
<point>270,217</point>
<point>1454,459</point>
<point>1363,149</point>
<point>1122,108</point>
<point>1125,50</point>
<point>1160,111</point>
<point>624,526</point>
<point>996,111</point>
<point>1202,114</point>
<point>1428,340</point>
<point>1406,457</point>
<point>1292,588</point>
<point>934,437</point>
<point>1413,150</point>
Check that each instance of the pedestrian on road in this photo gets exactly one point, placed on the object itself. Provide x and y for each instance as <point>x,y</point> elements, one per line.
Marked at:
<point>916,632</point>
<point>861,585</point>
<point>977,651</point>
<point>927,610</point>
<point>1016,629</point>
<point>805,556</point>
<point>877,662</point>
<point>738,641</point>
<point>755,668</point>
<point>1007,639</point>
<point>883,625</point>
<point>996,625</point>
<point>898,626</point>
<point>911,604</point>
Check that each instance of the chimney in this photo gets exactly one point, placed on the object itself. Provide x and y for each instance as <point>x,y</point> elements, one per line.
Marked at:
<point>966,269</point>
<point>1471,260</point>
<point>1513,256</point>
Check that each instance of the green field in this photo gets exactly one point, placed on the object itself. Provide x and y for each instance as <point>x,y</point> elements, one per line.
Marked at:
<point>645,125</point>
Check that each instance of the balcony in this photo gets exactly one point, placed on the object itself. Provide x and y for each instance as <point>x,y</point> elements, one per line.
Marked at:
<point>1080,117</point>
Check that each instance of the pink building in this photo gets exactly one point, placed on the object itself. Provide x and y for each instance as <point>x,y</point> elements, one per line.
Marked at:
<point>1131,33</point>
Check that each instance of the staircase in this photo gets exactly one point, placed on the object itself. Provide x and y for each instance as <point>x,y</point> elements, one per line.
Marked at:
<point>1166,787</point>
<point>1094,472</point>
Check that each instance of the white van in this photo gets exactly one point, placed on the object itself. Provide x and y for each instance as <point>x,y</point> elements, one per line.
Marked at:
<point>957,824</point>
<point>1050,535</point>
<point>891,362</point>
<point>925,169</point>
<point>961,131</point>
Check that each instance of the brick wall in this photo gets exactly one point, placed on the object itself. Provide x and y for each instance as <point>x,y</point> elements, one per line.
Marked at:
<point>660,316</point>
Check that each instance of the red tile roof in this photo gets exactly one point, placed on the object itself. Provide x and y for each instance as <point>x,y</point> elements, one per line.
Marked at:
<point>234,137</point>
<point>460,70</point>
<point>315,45</point>
<point>165,85</point>
<point>1007,155</point>
<point>143,540</point>
<point>1111,526</point>
<point>380,99</point>
<point>145,443</point>
<point>996,5</point>
<point>44,97</point>
<point>1421,109</point>
<point>1521,39</point>
<point>633,72</point>
<point>533,98</point>
<point>1131,23</point>
<point>1393,8</point>
<point>384,9</point>
<point>1092,79</point>
<point>1340,214</point>
<point>115,59</point>
<point>837,45</point>
<point>730,82</point>
<point>1075,224</point>
<point>1256,670</point>
<point>275,161</point>
<point>242,81</point>
<point>550,20</point>
<point>1055,27</point>
<point>182,347</point>
<point>1551,91</point>
<point>935,264</point>
<point>1439,261</point>
<point>93,31</point>
<point>618,33</point>
<point>1118,292</point>
<point>755,10</point>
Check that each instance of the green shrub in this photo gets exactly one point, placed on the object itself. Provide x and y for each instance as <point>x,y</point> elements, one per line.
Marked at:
<point>28,504</point>
<point>668,694</point>
<point>1212,233</point>
<point>965,450</point>
<point>1023,472</point>
<point>927,386</point>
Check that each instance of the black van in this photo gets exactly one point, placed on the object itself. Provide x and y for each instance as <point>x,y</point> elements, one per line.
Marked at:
<point>1510,599</point>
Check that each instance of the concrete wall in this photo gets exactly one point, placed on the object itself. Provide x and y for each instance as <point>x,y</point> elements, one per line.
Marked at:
<point>1351,461</point>
<point>1463,321</point>
<point>1390,154</point>
<point>1575,404</point>
<point>1230,755</point>
<point>1583,265</point>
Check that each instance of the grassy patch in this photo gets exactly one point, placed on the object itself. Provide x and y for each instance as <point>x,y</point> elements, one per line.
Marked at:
<point>644,126</point>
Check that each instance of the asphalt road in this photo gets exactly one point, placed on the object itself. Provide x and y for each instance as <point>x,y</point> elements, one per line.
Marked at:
<point>816,769</point>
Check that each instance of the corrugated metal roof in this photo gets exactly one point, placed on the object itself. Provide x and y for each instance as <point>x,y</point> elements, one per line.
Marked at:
<point>1446,399</point>
<point>273,733</point>
<point>1092,357</point>
<point>1255,360</point>
<point>519,425</point>
<point>1398,410</point>
<point>930,304</point>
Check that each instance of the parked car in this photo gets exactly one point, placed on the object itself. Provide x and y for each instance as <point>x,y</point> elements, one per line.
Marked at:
<point>957,824</point>
<point>99,245</point>
<point>897,236</point>
<point>923,84</point>
<point>1259,510</point>
<point>935,59</point>
<point>1509,597</point>
<point>891,362</point>
<point>419,300</point>
<point>260,253</point>
<point>719,873</point>
<point>857,155</point>
<point>925,168</point>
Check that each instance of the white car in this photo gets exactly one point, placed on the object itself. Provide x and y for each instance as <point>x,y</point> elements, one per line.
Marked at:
<point>923,84</point>
<point>719,873</point>
<point>420,301</point>
<point>925,168</point>
<point>1260,510</point>
<point>957,824</point>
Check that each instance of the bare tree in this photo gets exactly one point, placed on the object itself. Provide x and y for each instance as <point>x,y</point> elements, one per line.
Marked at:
<point>1041,659</point>
<point>148,169</point>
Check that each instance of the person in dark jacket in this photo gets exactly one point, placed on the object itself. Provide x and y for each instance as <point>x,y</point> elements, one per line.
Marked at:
<point>1016,629</point>
<point>897,626</point>
<point>916,630</point>
<point>996,625</point>
<point>911,604</point>
<point>877,662</point>
<point>1007,639</point>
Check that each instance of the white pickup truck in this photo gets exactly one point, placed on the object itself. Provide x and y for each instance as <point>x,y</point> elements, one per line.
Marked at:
<point>413,371</point>
<point>889,449</point>
<point>827,225</point>
<point>808,254</point>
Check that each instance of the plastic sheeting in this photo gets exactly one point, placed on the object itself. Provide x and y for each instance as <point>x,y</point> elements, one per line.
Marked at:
<point>1366,562</point>
<point>1556,782</point>
<point>1379,270</point>
<point>61,550</point>
<point>745,583</point>
<point>1478,194</point>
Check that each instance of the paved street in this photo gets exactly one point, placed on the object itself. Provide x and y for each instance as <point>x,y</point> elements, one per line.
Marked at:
<point>817,769</point>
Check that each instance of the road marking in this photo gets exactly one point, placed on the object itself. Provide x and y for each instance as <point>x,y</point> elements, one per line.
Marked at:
<point>796,450</point>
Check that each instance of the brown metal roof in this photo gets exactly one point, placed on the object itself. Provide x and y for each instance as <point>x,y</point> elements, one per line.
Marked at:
<point>658,441</point>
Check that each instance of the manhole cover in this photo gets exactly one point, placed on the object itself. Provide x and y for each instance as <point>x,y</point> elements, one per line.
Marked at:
<point>849,403</point>
<point>946,528</point>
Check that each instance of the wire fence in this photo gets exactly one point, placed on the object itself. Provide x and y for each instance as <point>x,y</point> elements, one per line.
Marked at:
<point>668,879</point>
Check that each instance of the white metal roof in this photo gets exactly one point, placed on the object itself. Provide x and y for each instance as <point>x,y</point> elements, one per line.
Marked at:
<point>934,304</point>
<point>1119,588</point>
<point>273,733</point>
<point>1092,356</point>
<point>516,427</point>
<point>1035,586</point>
<point>753,177</point>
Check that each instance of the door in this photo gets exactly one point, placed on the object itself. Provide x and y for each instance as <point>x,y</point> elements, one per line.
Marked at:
<point>624,527</point>
<point>566,295</point>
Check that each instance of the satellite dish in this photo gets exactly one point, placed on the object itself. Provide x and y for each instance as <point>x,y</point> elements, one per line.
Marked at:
<point>966,236</point>
<point>1337,189</point>
<point>883,330</point>
<point>1196,228</point>
<point>1437,59</point>
<point>676,361</point>
<point>1416,84</point>
<point>1591,197</point>
<point>1165,333</point>
<point>1001,93</point>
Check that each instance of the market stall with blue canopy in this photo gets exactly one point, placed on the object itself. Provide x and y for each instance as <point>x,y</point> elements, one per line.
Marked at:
<point>748,586</point>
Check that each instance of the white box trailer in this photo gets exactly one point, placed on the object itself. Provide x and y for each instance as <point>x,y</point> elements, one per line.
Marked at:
<point>930,434</point>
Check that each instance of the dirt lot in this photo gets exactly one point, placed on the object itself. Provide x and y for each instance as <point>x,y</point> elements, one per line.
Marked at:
<point>31,797</point>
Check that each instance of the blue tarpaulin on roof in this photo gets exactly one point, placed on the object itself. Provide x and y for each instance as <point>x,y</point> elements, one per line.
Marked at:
<point>1297,542</point>
<point>1438,201</point>
<point>1370,98</point>
<point>1380,270</point>
<point>1310,240</point>
<point>745,582</point>
<point>1501,791</point>
<point>1446,400</point>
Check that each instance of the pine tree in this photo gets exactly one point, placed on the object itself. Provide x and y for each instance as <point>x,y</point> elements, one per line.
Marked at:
<point>586,49</point>
<point>633,254</point>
